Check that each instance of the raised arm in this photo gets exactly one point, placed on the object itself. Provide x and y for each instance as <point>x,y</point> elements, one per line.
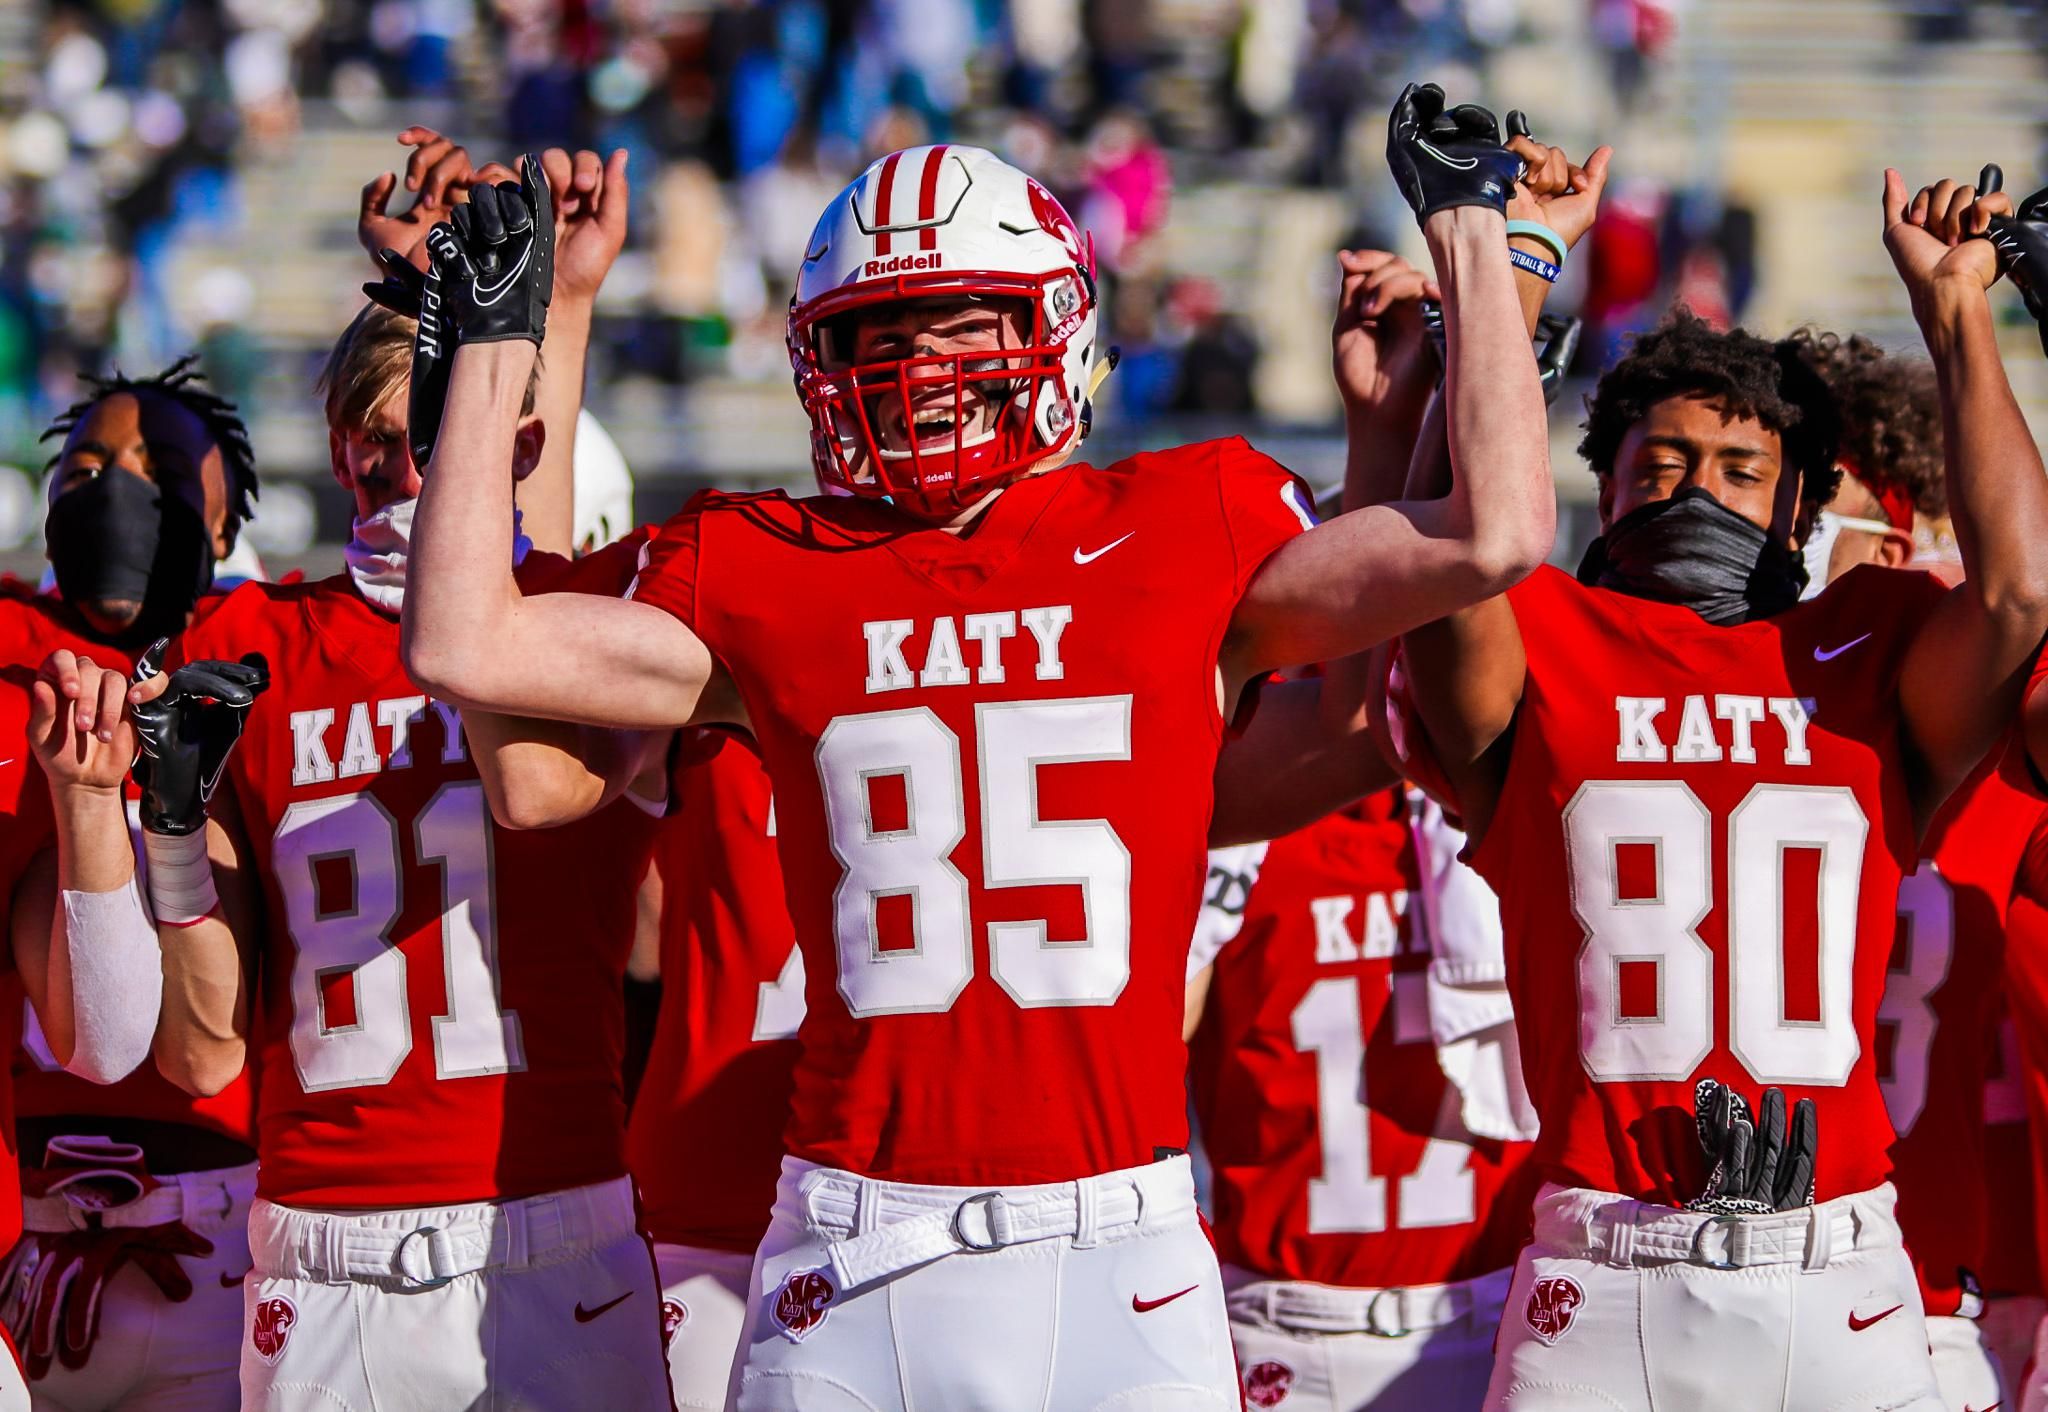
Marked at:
<point>1373,572</point>
<point>472,638</point>
<point>1466,669</point>
<point>591,198</point>
<point>83,939</point>
<point>1964,673</point>
<point>469,634</point>
<point>1302,754</point>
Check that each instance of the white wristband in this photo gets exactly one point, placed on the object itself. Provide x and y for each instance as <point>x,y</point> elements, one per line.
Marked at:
<point>180,877</point>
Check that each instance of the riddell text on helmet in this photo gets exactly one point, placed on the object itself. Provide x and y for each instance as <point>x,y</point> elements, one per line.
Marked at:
<point>903,264</point>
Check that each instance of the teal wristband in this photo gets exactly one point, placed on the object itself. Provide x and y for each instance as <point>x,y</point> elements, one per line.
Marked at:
<point>1538,231</point>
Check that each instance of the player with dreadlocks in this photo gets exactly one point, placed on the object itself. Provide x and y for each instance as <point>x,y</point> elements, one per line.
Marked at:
<point>152,482</point>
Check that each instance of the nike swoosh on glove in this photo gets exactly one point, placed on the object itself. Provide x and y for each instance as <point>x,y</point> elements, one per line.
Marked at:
<point>187,734</point>
<point>491,275</point>
<point>1445,158</point>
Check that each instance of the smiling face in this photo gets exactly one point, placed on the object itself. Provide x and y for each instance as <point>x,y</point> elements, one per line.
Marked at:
<point>945,410</point>
<point>157,440</point>
<point>1685,442</point>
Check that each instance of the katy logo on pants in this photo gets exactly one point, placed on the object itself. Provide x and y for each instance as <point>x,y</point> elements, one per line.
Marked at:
<point>1553,1304</point>
<point>272,1327</point>
<point>800,1305</point>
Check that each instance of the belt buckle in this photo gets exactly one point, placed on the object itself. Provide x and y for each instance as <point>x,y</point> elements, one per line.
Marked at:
<point>1699,1257</point>
<point>1400,1327</point>
<point>991,1204</point>
<point>430,1280</point>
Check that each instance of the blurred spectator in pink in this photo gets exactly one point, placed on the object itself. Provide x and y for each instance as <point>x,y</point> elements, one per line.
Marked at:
<point>1129,186</point>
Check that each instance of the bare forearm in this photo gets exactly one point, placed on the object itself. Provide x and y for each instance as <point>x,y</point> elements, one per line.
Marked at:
<point>547,498</point>
<point>1501,487</point>
<point>1295,762</point>
<point>94,850</point>
<point>1997,490</point>
<point>202,1033</point>
<point>200,1040</point>
<point>542,774</point>
<point>459,591</point>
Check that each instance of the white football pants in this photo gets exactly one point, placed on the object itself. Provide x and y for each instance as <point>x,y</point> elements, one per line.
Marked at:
<point>153,1355</point>
<point>1322,1348</point>
<point>872,1296</point>
<point>546,1304</point>
<point>1963,1366</point>
<point>703,1309</point>
<point>1631,1307</point>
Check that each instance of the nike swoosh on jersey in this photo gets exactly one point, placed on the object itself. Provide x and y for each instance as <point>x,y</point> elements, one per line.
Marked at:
<point>1463,164</point>
<point>584,1316</point>
<point>1089,558</point>
<point>1146,1306</point>
<point>1822,654</point>
<point>1857,1325</point>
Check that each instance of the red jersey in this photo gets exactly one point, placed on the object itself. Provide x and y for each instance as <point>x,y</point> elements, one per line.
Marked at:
<point>705,1139</point>
<point>2009,1264</point>
<point>442,1007</point>
<point>1698,848</point>
<point>1933,1022</point>
<point>42,1087</point>
<point>992,758</point>
<point>2026,997</point>
<point>1338,1151</point>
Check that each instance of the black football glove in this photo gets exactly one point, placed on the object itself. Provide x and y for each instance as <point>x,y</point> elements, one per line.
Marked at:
<point>1557,341</point>
<point>2021,241</point>
<point>491,275</point>
<point>402,285</point>
<point>1758,1166</point>
<point>188,733</point>
<point>1448,158</point>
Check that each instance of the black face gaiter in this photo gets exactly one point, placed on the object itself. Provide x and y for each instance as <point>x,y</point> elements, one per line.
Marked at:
<point>117,537</point>
<point>1692,549</point>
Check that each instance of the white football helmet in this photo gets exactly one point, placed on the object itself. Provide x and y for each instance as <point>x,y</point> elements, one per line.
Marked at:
<point>934,431</point>
<point>602,487</point>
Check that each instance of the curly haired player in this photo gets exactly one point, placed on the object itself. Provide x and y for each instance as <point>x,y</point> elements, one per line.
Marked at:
<point>1696,797</point>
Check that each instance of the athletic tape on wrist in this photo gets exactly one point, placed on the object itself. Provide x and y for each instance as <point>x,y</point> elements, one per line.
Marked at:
<point>1544,235</point>
<point>180,877</point>
<point>1542,269</point>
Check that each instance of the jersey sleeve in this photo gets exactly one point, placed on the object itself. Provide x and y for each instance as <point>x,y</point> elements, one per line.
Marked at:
<point>668,578</point>
<point>605,573</point>
<point>1264,506</point>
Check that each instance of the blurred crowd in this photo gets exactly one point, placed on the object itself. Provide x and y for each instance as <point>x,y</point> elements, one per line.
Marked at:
<point>127,128</point>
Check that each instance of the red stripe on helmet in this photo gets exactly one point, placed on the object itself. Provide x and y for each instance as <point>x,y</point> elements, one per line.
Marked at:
<point>928,197</point>
<point>882,184</point>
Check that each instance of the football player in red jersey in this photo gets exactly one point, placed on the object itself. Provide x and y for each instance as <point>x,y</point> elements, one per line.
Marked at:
<point>1696,799</point>
<point>122,1290</point>
<point>1366,1234</point>
<point>1937,1010</point>
<point>990,702</point>
<point>2010,1266</point>
<point>2026,994</point>
<point>417,1001</point>
<point>705,1137</point>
